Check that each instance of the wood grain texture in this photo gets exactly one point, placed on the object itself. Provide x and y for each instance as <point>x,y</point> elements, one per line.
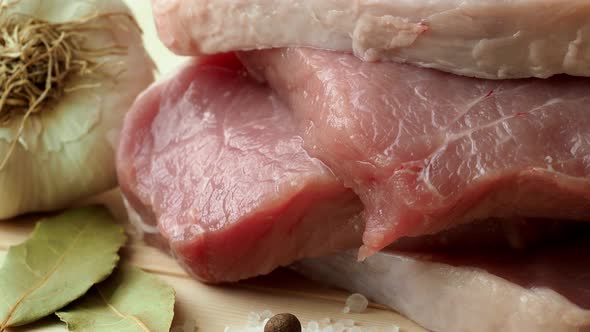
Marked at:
<point>212,307</point>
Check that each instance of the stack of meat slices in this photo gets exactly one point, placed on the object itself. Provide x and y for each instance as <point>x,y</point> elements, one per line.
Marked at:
<point>466,187</point>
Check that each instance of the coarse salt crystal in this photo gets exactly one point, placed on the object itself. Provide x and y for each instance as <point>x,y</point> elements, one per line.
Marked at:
<point>266,314</point>
<point>313,326</point>
<point>355,329</point>
<point>326,320</point>
<point>338,327</point>
<point>253,319</point>
<point>393,328</point>
<point>357,303</point>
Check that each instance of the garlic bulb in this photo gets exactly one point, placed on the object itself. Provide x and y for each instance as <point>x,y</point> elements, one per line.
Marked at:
<point>58,147</point>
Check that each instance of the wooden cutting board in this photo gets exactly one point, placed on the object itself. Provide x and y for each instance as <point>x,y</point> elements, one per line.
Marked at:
<point>212,308</point>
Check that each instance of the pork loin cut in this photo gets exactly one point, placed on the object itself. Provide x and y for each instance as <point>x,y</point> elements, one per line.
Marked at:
<point>210,159</point>
<point>481,38</point>
<point>542,290</point>
<point>425,150</point>
<point>232,172</point>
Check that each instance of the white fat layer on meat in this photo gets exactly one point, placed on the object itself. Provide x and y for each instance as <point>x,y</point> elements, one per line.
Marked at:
<point>480,38</point>
<point>445,298</point>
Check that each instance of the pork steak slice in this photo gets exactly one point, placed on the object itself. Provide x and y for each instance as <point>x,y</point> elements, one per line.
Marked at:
<point>480,38</point>
<point>210,159</point>
<point>218,163</point>
<point>425,150</point>
<point>546,289</point>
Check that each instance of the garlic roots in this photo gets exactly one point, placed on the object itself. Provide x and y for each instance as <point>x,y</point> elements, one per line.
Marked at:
<point>69,71</point>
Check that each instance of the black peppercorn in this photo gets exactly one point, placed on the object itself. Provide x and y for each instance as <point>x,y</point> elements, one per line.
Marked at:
<point>283,323</point>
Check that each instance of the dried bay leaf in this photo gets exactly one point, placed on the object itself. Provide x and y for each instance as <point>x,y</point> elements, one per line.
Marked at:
<point>128,301</point>
<point>47,324</point>
<point>62,259</point>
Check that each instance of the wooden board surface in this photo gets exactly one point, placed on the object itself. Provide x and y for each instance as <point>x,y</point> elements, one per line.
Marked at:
<point>214,307</point>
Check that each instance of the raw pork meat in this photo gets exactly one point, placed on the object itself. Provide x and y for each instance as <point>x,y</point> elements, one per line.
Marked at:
<point>481,38</point>
<point>425,150</point>
<point>210,158</point>
<point>222,164</point>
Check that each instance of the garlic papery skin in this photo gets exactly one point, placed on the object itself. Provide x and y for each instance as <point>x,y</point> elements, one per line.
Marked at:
<point>66,152</point>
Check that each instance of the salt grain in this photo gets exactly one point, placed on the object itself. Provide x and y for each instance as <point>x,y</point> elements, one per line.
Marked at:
<point>266,314</point>
<point>393,328</point>
<point>338,327</point>
<point>355,329</point>
<point>313,326</point>
<point>326,321</point>
<point>253,319</point>
<point>356,303</point>
<point>254,316</point>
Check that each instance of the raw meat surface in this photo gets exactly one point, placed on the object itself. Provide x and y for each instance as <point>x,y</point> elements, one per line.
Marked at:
<point>211,157</point>
<point>425,150</point>
<point>221,164</point>
<point>480,38</point>
<point>543,290</point>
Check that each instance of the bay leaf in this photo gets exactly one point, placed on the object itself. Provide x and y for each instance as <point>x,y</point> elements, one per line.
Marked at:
<point>62,259</point>
<point>130,300</point>
<point>47,324</point>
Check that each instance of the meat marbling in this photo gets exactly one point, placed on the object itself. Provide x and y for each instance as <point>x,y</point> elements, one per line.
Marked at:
<point>211,158</point>
<point>481,38</point>
<point>425,150</point>
<point>222,163</point>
